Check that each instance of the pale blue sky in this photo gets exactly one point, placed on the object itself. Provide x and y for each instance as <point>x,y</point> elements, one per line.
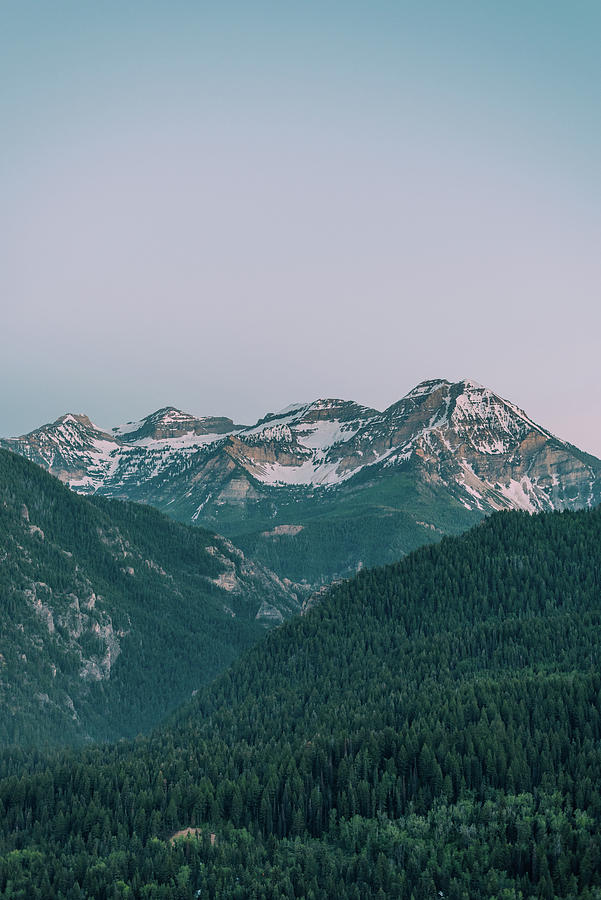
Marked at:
<point>232,206</point>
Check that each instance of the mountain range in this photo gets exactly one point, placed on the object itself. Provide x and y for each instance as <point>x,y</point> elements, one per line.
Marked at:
<point>321,489</point>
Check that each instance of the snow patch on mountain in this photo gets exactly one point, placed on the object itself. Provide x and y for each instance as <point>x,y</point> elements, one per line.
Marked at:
<point>426,387</point>
<point>306,474</point>
<point>167,444</point>
<point>128,428</point>
<point>324,435</point>
<point>521,494</point>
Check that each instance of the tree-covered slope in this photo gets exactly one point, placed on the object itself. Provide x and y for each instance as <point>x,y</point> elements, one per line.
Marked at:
<point>110,613</point>
<point>369,522</point>
<point>433,728</point>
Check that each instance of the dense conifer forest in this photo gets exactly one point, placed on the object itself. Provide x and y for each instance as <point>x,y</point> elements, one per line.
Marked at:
<point>110,613</point>
<point>432,729</point>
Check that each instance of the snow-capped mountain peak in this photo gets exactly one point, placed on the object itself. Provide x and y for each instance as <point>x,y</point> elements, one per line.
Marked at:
<point>170,422</point>
<point>426,387</point>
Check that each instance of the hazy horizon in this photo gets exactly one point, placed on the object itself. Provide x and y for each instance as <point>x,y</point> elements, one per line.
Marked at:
<point>230,208</point>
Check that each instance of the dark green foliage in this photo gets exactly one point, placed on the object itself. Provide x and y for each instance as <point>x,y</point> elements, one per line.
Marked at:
<point>433,726</point>
<point>91,587</point>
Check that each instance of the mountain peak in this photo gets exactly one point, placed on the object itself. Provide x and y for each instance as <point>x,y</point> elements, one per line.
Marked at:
<point>334,408</point>
<point>424,388</point>
<point>427,387</point>
<point>170,422</point>
<point>69,422</point>
<point>166,412</point>
<point>81,418</point>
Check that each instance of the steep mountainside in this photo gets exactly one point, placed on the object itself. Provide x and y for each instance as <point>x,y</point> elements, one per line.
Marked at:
<point>431,729</point>
<point>321,489</point>
<point>111,613</point>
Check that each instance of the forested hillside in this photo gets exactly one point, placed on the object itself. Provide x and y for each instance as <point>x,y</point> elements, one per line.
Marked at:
<point>433,728</point>
<point>110,613</point>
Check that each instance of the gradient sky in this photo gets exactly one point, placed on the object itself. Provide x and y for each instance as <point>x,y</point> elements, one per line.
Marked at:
<point>229,207</point>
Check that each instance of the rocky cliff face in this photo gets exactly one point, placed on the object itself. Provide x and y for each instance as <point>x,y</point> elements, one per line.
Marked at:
<point>111,613</point>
